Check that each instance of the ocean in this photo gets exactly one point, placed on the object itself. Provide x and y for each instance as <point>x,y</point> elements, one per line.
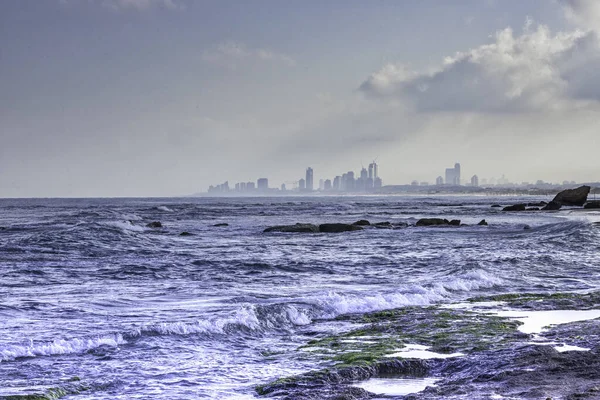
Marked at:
<point>90,297</point>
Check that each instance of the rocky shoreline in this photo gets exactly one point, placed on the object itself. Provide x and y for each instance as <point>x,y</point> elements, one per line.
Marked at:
<point>470,351</point>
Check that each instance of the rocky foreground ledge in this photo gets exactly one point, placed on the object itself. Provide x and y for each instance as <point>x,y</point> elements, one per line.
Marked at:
<point>476,354</point>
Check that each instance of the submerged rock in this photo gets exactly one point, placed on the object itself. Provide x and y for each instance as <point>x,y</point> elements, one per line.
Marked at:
<point>538,204</point>
<point>496,206</point>
<point>552,206</point>
<point>337,228</point>
<point>221,225</point>
<point>573,197</point>
<point>383,225</point>
<point>362,222</point>
<point>432,222</point>
<point>298,228</point>
<point>516,207</point>
<point>588,205</point>
<point>185,234</point>
<point>154,224</point>
<point>454,222</point>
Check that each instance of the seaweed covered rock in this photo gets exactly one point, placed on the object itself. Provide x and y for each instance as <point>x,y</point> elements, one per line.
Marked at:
<point>338,228</point>
<point>362,222</point>
<point>432,222</point>
<point>515,207</point>
<point>297,228</point>
<point>154,224</point>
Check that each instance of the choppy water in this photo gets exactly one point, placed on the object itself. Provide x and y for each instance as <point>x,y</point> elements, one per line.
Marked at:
<point>87,291</point>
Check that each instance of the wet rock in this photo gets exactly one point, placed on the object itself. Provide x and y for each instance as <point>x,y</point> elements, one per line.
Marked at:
<point>298,228</point>
<point>454,222</point>
<point>399,225</point>
<point>185,234</point>
<point>383,225</point>
<point>338,228</point>
<point>588,205</point>
<point>533,209</point>
<point>526,227</point>
<point>483,222</point>
<point>496,206</point>
<point>154,224</point>
<point>516,207</point>
<point>221,225</point>
<point>432,222</point>
<point>362,222</point>
<point>552,206</point>
<point>573,197</point>
<point>538,204</point>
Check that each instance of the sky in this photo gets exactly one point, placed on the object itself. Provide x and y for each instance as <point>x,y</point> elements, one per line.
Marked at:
<point>109,98</point>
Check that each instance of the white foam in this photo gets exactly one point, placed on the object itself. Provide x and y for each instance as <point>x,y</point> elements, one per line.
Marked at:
<point>124,225</point>
<point>535,321</point>
<point>421,352</point>
<point>62,346</point>
<point>396,387</point>
<point>245,317</point>
<point>164,208</point>
<point>560,347</point>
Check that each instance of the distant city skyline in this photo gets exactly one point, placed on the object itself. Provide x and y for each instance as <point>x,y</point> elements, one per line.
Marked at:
<point>166,97</point>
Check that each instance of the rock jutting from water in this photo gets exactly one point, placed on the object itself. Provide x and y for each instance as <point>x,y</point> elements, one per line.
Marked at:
<point>154,224</point>
<point>515,207</point>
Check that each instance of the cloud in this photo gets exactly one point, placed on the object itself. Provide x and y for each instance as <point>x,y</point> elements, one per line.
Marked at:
<point>139,5</point>
<point>585,13</point>
<point>537,70</point>
<point>232,54</point>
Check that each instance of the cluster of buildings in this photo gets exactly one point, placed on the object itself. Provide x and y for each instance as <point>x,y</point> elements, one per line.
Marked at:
<point>367,181</point>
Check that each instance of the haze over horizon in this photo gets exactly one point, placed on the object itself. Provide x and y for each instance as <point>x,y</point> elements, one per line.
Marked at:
<point>166,97</point>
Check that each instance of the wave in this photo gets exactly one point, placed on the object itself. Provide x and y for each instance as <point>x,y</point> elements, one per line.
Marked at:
<point>164,208</point>
<point>62,346</point>
<point>127,226</point>
<point>253,318</point>
<point>335,304</point>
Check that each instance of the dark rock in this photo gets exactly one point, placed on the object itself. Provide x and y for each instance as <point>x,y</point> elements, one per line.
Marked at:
<point>337,228</point>
<point>454,222</point>
<point>398,225</point>
<point>552,206</point>
<point>588,205</point>
<point>298,228</point>
<point>154,224</point>
<point>516,207</point>
<point>362,222</point>
<point>538,204</point>
<point>533,209</point>
<point>496,206</point>
<point>222,224</point>
<point>185,234</point>
<point>483,222</point>
<point>383,225</point>
<point>526,227</point>
<point>432,222</point>
<point>573,197</point>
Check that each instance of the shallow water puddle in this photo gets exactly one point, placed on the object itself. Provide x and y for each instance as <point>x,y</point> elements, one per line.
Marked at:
<point>421,352</point>
<point>396,386</point>
<point>560,347</point>
<point>535,321</point>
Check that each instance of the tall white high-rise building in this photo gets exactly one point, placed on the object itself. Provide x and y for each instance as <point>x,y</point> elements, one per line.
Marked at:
<point>309,179</point>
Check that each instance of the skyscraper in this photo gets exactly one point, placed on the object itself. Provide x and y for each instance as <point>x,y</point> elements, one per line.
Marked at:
<point>262,184</point>
<point>474,180</point>
<point>302,185</point>
<point>439,181</point>
<point>309,179</point>
<point>453,175</point>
